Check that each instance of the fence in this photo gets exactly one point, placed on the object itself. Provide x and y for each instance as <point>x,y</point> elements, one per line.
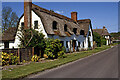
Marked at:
<point>23,53</point>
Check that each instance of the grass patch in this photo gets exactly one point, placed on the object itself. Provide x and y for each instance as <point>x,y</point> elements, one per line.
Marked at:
<point>23,71</point>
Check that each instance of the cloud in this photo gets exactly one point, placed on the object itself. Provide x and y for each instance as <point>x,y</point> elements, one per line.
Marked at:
<point>59,12</point>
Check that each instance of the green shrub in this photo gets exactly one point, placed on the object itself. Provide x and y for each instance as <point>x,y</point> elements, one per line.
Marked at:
<point>54,48</point>
<point>103,41</point>
<point>9,59</point>
<point>13,59</point>
<point>97,39</point>
<point>35,58</point>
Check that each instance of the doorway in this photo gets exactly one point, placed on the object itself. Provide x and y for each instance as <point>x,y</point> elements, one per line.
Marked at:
<point>74,45</point>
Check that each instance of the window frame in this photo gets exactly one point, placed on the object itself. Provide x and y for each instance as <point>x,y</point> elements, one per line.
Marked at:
<point>82,33</point>
<point>83,44</point>
<point>66,44</point>
<point>22,25</point>
<point>78,44</point>
<point>75,30</point>
<point>65,28</point>
<point>36,26</point>
<point>54,25</point>
<point>6,44</point>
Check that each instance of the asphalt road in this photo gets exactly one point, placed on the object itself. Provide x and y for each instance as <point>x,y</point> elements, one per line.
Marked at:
<point>102,65</point>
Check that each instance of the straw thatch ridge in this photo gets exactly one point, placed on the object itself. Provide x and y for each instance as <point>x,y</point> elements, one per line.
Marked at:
<point>48,17</point>
<point>9,34</point>
<point>102,32</point>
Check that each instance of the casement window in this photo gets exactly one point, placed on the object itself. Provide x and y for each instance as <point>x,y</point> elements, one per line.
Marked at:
<point>83,44</point>
<point>6,44</point>
<point>22,25</point>
<point>65,27</point>
<point>78,44</point>
<point>82,32</point>
<point>54,25</point>
<point>75,30</point>
<point>35,24</point>
<point>66,44</point>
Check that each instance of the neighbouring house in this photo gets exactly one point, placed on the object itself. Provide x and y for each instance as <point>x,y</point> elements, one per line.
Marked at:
<point>74,34</point>
<point>104,32</point>
<point>8,37</point>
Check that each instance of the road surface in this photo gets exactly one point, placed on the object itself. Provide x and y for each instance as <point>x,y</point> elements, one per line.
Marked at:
<point>102,65</point>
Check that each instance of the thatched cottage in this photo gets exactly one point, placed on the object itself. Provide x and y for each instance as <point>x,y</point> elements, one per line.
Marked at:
<point>74,34</point>
<point>104,33</point>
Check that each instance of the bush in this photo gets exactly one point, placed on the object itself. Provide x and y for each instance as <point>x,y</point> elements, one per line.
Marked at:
<point>9,59</point>
<point>35,58</point>
<point>13,59</point>
<point>54,48</point>
<point>103,41</point>
<point>32,38</point>
<point>45,56</point>
<point>97,39</point>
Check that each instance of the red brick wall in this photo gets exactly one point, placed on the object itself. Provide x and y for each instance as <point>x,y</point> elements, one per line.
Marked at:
<point>27,14</point>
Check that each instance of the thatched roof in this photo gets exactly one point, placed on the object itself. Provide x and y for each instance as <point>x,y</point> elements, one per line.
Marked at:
<point>84,24</point>
<point>48,17</point>
<point>102,32</point>
<point>9,34</point>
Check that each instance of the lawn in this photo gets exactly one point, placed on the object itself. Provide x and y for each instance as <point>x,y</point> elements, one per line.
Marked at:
<point>31,68</point>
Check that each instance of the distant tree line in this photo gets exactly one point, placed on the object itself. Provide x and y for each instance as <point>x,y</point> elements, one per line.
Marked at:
<point>9,18</point>
<point>116,36</point>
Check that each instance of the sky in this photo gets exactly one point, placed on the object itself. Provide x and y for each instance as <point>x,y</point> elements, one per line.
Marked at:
<point>100,13</point>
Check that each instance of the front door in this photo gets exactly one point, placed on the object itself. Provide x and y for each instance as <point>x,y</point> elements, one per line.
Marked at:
<point>74,44</point>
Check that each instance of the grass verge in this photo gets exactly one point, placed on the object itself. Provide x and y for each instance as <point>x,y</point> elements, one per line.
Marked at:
<point>23,71</point>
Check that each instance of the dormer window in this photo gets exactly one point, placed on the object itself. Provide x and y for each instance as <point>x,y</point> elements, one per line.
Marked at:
<point>35,24</point>
<point>54,25</point>
<point>65,27</point>
<point>75,30</point>
<point>82,32</point>
<point>22,25</point>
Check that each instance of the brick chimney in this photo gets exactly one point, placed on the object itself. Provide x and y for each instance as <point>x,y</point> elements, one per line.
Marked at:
<point>103,27</point>
<point>27,14</point>
<point>74,16</point>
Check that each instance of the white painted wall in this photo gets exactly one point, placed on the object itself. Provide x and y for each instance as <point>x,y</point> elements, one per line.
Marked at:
<point>86,43</point>
<point>40,28</point>
<point>40,24</point>
<point>107,40</point>
<point>17,41</point>
<point>1,45</point>
<point>91,37</point>
<point>11,44</point>
<point>107,37</point>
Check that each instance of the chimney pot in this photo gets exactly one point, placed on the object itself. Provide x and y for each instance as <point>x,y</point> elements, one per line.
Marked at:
<point>103,27</point>
<point>74,16</point>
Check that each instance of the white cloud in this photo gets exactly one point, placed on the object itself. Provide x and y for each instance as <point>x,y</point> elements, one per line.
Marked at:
<point>59,12</point>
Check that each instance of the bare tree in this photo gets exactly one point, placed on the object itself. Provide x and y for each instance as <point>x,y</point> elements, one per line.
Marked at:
<point>9,18</point>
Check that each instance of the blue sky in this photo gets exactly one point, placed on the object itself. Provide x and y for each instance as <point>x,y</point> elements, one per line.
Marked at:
<point>100,13</point>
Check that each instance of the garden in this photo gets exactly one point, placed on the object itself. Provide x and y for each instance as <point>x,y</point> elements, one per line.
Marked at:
<point>50,53</point>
